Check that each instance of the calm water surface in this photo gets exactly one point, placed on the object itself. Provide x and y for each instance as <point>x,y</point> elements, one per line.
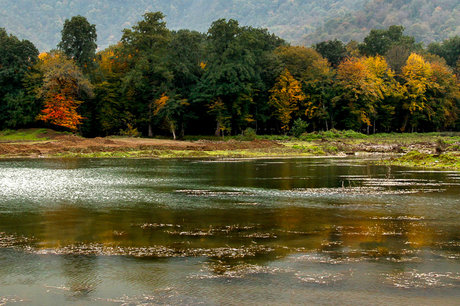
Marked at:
<point>311,231</point>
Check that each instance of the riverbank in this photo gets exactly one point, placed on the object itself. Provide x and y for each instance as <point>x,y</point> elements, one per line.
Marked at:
<point>449,160</point>
<point>45,143</point>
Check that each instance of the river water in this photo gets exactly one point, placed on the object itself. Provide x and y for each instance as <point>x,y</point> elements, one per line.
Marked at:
<point>275,231</point>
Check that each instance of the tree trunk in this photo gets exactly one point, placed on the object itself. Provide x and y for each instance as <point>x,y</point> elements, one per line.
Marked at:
<point>150,133</point>
<point>406,118</point>
<point>217,132</point>
<point>182,131</point>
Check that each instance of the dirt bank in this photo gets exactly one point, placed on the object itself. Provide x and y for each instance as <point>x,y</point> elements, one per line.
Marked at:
<point>48,143</point>
<point>58,143</point>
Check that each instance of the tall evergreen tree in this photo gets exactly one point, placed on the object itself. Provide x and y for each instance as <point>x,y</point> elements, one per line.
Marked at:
<point>79,41</point>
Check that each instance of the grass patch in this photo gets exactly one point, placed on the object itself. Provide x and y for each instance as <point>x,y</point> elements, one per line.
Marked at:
<point>24,135</point>
<point>249,153</point>
<point>424,160</point>
<point>333,134</point>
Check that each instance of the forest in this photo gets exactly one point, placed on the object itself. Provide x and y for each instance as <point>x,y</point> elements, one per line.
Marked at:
<point>296,21</point>
<point>157,81</point>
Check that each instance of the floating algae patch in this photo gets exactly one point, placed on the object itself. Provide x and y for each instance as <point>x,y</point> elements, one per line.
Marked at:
<point>221,269</point>
<point>124,231</point>
<point>399,218</point>
<point>400,182</point>
<point>360,191</point>
<point>9,241</point>
<point>158,226</point>
<point>8,300</point>
<point>153,251</point>
<point>210,193</point>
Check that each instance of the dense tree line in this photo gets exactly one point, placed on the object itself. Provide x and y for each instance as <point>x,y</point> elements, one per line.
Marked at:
<point>157,81</point>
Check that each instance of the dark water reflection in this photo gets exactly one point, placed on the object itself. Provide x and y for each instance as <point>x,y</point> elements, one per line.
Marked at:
<point>262,231</point>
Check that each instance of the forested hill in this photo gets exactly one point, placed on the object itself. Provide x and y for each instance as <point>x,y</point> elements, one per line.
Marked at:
<point>426,20</point>
<point>40,21</point>
<point>305,21</point>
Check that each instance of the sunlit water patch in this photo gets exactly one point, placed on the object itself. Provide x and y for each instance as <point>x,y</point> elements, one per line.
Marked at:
<point>144,232</point>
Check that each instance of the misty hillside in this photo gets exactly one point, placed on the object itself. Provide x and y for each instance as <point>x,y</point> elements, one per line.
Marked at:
<point>298,21</point>
<point>426,20</point>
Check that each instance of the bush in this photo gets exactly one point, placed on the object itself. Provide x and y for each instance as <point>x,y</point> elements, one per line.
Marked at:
<point>249,134</point>
<point>333,134</point>
<point>130,131</point>
<point>299,127</point>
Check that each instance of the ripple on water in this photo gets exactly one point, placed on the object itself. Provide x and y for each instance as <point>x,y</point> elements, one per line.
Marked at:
<point>324,278</point>
<point>422,280</point>
<point>7,300</point>
<point>162,296</point>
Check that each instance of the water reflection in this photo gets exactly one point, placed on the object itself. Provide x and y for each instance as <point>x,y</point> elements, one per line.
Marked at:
<point>156,231</point>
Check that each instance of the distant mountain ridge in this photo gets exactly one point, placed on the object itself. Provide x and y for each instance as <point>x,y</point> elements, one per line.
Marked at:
<point>297,21</point>
<point>428,21</point>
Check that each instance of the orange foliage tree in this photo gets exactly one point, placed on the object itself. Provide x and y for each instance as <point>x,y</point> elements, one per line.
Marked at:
<point>62,111</point>
<point>63,88</point>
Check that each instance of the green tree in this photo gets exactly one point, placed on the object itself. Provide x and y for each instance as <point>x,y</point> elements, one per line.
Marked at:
<point>146,47</point>
<point>186,61</point>
<point>111,112</point>
<point>170,111</point>
<point>18,106</point>
<point>78,41</point>
<point>449,49</point>
<point>334,51</point>
<point>298,60</point>
<point>380,41</point>
<point>229,74</point>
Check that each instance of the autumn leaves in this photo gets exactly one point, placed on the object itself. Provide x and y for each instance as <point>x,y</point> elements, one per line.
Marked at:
<point>366,90</point>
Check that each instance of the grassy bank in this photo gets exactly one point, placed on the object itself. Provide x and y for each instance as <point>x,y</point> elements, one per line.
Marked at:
<point>49,143</point>
<point>187,154</point>
<point>24,135</point>
<point>424,160</point>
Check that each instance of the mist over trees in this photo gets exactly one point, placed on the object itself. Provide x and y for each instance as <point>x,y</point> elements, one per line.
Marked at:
<point>297,21</point>
<point>157,81</point>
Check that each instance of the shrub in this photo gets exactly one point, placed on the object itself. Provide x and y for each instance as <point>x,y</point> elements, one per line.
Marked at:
<point>249,134</point>
<point>299,127</point>
<point>130,131</point>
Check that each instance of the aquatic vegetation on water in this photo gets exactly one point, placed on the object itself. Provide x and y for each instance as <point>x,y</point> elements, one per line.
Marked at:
<point>425,160</point>
<point>153,231</point>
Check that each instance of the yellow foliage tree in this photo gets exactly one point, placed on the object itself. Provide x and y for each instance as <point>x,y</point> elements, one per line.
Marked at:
<point>365,82</point>
<point>417,74</point>
<point>285,97</point>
